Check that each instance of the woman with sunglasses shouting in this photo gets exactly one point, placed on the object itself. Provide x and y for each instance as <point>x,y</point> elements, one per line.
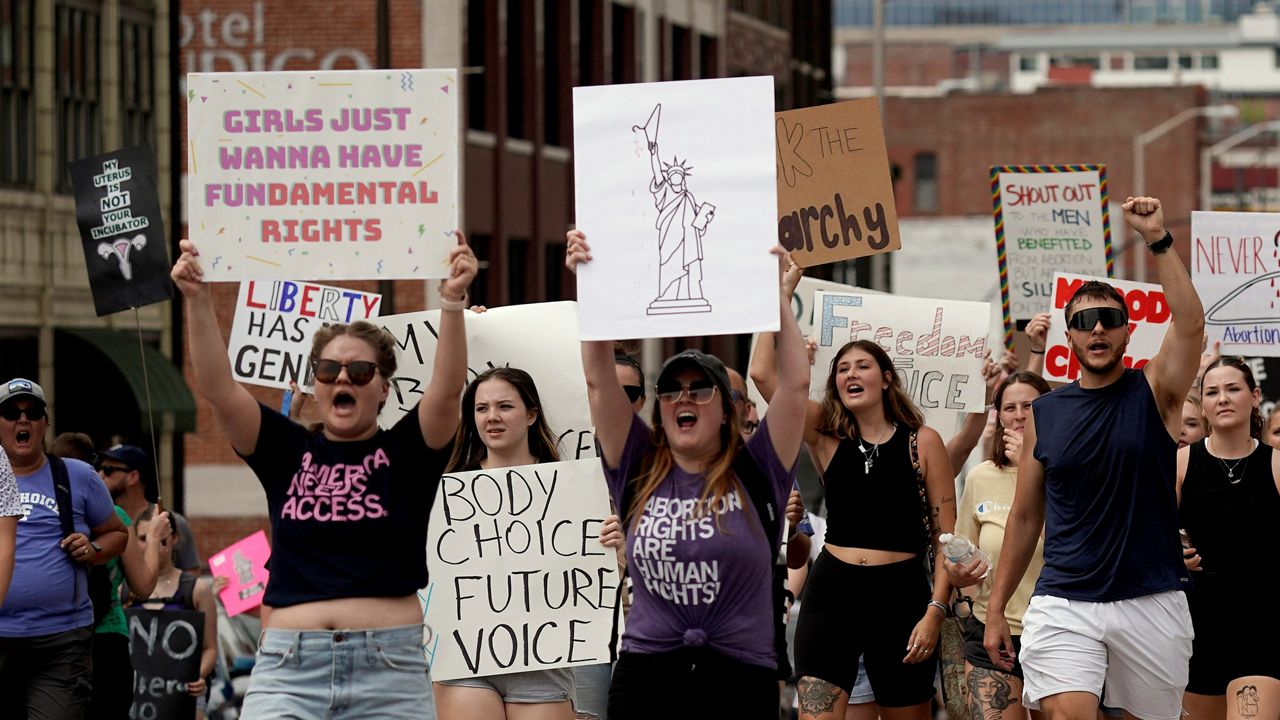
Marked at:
<point>701,635</point>
<point>1228,501</point>
<point>890,492</point>
<point>348,504</point>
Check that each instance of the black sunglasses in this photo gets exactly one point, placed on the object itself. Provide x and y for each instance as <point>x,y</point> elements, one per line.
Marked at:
<point>12,413</point>
<point>634,392</point>
<point>1111,318</point>
<point>113,469</point>
<point>359,372</point>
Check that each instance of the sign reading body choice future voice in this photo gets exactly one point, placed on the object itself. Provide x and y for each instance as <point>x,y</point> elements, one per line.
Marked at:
<point>323,175</point>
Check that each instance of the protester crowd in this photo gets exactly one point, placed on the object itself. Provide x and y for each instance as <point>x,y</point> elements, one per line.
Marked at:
<point>1119,526</point>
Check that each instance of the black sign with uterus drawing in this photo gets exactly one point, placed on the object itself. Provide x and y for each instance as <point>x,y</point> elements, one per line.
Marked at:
<point>118,211</point>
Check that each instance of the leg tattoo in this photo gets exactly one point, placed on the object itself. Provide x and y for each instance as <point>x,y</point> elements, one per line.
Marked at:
<point>816,696</point>
<point>988,694</point>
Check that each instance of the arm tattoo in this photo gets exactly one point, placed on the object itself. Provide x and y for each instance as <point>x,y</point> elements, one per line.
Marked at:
<point>816,696</point>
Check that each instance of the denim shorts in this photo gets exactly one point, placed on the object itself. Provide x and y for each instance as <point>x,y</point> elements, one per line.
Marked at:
<point>309,674</point>
<point>532,686</point>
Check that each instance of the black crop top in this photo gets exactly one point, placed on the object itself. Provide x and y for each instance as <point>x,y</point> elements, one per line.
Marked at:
<point>879,511</point>
<point>1231,521</point>
<point>348,519</point>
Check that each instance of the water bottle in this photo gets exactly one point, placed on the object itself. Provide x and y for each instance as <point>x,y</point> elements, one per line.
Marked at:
<point>959,550</point>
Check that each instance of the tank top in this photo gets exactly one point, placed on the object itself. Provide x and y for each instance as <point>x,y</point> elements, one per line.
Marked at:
<point>879,510</point>
<point>1231,521</point>
<point>183,597</point>
<point>1111,510</point>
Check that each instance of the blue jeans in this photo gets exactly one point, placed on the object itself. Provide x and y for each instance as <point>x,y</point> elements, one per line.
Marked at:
<point>593,689</point>
<point>340,674</point>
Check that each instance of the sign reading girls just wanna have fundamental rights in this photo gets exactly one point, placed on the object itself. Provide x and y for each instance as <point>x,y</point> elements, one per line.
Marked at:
<point>1048,219</point>
<point>323,175</point>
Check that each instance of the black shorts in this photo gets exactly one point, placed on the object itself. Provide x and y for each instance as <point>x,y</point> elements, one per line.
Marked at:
<point>1230,616</point>
<point>976,655</point>
<point>869,610</point>
<point>698,681</point>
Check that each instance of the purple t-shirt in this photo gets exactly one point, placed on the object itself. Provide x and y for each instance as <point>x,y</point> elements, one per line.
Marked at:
<point>695,583</point>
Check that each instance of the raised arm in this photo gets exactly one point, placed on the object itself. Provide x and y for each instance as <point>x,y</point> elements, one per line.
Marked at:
<point>1022,530</point>
<point>1038,336</point>
<point>1173,368</point>
<point>961,445</point>
<point>763,368</point>
<point>611,411</point>
<point>790,401</point>
<point>236,410</point>
<point>142,566</point>
<point>438,409</point>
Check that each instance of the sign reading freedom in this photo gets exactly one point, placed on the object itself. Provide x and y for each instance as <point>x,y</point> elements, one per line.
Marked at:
<point>519,579</point>
<point>323,175</point>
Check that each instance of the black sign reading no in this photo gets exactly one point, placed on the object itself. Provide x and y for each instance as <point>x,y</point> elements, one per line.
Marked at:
<point>165,646</point>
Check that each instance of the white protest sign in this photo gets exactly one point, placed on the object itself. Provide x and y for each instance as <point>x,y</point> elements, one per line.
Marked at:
<point>541,339</point>
<point>323,175</point>
<point>1148,322</point>
<point>274,322</point>
<point>519,579</point>
<point>675,188</point>
<point>937,346</point>
<point>1049,219</point>
<point>1235,265</point>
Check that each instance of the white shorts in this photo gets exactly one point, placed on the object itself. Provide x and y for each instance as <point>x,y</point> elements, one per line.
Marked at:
<point>1137,649</point>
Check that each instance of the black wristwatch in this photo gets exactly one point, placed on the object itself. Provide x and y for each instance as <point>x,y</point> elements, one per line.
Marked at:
<point>96,547</point>
<point>1162,244</point>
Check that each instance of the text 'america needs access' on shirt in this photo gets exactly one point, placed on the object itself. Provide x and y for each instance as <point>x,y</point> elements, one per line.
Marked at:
<point>50,593</point>
<point>700,578</point>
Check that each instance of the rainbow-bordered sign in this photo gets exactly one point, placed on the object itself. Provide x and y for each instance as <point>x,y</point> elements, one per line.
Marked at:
<point>1048,219</point>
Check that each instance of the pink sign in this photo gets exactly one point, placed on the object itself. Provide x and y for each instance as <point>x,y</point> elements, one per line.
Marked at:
<point>244,565</point>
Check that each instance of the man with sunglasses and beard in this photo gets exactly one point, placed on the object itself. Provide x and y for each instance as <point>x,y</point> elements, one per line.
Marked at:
<point>128,472</point>
<point>1097,472</point>
<point>46,623</point>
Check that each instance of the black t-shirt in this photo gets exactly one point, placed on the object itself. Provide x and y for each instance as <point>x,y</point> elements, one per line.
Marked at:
<point>348,519</point>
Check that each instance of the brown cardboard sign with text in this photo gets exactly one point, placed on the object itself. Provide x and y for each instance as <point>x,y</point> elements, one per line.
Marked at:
<point>835,194</point>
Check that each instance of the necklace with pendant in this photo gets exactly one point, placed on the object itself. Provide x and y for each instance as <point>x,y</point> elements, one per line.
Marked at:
<point>1230,470</point>
<point>869,455</point>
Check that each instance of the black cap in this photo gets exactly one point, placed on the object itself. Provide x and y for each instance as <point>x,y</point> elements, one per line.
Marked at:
<point>710,366</point>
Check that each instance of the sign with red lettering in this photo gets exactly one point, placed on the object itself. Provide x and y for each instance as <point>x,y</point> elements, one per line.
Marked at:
<point>937,346</point>
<point>519,579</point>
<point>1048,219</point>
<point>1235,265</point>
<point>323,175</point>
<point>835,194</point>
<point>1148,321</point>
<point>275,320</point>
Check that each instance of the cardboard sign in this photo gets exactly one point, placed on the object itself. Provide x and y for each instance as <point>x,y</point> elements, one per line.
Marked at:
<point>541,339</point>
<point>1048,219</point>
<point>275,321</point>
<point>936,346</point>
<point>519,579</point>
<point>1235,265</point>
<point>323,175</point>
<point>118,211</point>
<point>165,647</point>
<point>244,565</point>
<point>1149,320</point>
<point>675,189</point>
<point>835,194</point>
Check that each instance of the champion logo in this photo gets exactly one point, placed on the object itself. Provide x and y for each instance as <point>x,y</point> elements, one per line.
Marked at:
<point>990,506</point>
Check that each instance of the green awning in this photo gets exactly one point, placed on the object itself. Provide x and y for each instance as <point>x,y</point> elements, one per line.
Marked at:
<point>169,391</point>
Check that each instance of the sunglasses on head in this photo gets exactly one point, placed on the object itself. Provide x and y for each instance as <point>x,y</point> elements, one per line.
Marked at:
<point>12,413</point>
<point>359,372</point>
<point>698,393</point>
<point>634,392</point>
<point>1111,318</point>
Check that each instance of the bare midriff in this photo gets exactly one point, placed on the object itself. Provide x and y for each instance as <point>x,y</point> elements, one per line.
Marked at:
<point>865,556</point>
<point>346,614</point>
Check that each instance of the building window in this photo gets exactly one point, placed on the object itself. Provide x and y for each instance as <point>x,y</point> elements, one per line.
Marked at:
<point>622,28</point>
<point>1209,61</point>
<point>479,75</point>
<point>555,65</point>
<point>519,58</point>
<point>709,57</point>
<point>926,188</point>
<point>1150,62</point>
<point>481,244</point>
<point>590,57</point>
<point>1091,61</point>
<point>1028,63</point>
<point>1185,61</point>
<point>17,111</point>
<point>137,78</point>
<point>681,53</point>
<point>517,271</point>
<point>553,267</point>
<point>77,40</point>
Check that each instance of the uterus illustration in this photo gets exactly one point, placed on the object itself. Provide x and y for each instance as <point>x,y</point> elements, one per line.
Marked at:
<point>120,248</point>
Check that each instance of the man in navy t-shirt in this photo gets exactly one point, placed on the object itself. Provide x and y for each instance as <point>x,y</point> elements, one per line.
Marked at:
<point>46,622</point>
<point>1098,473</point>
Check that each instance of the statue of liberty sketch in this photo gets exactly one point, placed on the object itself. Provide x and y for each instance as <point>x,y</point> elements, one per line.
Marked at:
<point>681,223</point>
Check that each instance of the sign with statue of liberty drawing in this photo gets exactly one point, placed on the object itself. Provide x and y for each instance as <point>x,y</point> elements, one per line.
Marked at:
<point>676,192</point>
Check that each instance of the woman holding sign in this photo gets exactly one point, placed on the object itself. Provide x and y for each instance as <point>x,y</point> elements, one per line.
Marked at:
<point>503,426</point>
<point>694,495</point>
<point>348,504</point>
<point>889,488</point>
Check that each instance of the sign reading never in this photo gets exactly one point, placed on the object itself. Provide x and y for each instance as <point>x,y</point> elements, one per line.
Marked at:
<point>835,195</point>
